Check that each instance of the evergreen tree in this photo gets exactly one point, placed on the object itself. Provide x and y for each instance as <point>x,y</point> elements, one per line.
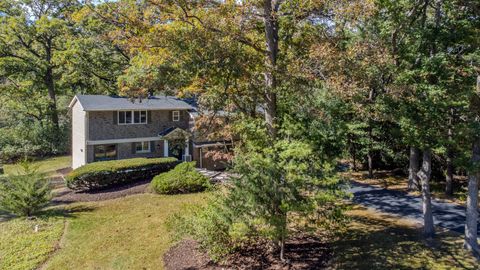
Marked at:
<point>24,194</point>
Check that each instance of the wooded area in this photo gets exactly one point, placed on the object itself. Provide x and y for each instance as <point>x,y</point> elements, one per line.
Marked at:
<point>384,84</point>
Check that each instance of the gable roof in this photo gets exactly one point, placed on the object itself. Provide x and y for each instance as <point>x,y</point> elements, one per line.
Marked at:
<point>174,133</point>
<point>112,103</point>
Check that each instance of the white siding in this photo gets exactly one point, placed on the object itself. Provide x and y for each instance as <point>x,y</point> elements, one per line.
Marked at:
<point>78,136</point>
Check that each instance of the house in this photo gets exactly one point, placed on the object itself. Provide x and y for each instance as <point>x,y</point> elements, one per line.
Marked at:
<point>112,127</point>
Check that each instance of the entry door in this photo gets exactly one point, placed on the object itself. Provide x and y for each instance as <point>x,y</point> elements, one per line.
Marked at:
<point>175,150</point>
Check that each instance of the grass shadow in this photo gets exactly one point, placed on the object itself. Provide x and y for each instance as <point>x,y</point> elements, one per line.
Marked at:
<point>5,216</point>
<point>65,212</point>
<point>52,212</point>
<point>375,243</point>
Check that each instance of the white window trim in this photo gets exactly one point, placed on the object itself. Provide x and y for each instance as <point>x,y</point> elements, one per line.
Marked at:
<point>133,117</point>
<point>143,151</point>
<point>176,116</point>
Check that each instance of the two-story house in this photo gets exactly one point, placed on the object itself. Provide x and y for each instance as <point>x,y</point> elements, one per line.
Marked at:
<point>112,127</point>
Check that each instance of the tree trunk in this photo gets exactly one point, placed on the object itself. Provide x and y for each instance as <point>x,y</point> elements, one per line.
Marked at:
<point>270,9</point>
<point>50,83</point>
<point>282,248</point>
<point>413,183</point>
<point>53,98</point>
<point>354,156</point>
<point>424,175</point>
<point>449,174</point>
<point>471,242</point>
<point>370,164</point>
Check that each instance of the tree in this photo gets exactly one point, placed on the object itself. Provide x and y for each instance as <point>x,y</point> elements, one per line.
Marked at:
<point>33,34</point>
<point>24,194</point>
<point>424,174</point>
<point>471,223</point>
<point>94,56</point>
<point>243,58</point>
<point>413,168</point>
<point>432,75</point>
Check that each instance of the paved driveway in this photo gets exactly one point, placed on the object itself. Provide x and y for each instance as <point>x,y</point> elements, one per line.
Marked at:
<point>445,215</point>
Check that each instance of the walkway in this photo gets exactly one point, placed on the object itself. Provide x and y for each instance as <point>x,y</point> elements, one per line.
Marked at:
<point>445,215</point>
<point>215,176</point>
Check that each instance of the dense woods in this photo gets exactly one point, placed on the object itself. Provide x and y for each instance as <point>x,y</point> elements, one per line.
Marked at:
<point>384,84</point>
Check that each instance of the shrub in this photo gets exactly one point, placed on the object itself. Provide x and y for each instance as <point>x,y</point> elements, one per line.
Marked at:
<point>208,224</point>
<point>105,174</point>
<point>182,179</point>
<point>24,194</point>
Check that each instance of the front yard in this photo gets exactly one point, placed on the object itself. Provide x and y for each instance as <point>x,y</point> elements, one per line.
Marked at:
<point>130,233</point>
<point>125,233</point>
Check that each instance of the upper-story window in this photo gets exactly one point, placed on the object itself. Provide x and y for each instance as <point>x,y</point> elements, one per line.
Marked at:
<point>132,117</point>
<point>176,116</point>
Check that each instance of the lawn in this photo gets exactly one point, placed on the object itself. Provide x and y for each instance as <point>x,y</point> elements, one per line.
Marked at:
<point>125,233</point>
<point>377,241</point>
<point>23,248</point>
<point>48,166</point>
<point>129,233</point>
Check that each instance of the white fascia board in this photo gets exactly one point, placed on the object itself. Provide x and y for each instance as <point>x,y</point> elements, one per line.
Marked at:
<point>130,140</point>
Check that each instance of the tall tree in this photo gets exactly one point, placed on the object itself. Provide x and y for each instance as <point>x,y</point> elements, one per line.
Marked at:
<point>413,168</point>
<point>245,57</point>
<point>32,35</point>
<point>424,174</point>
<point>471,223</point>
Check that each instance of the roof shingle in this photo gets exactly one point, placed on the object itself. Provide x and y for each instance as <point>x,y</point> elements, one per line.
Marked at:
<point>109,103</point>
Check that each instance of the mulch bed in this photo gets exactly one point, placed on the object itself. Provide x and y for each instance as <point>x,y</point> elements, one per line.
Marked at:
<point>66,195</point>
<point>302,252</point>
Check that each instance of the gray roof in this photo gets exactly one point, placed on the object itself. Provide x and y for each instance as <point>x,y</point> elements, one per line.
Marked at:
<point>109,103</point>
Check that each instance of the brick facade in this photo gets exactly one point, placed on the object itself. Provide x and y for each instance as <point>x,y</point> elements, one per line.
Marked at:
<point>102,125</point>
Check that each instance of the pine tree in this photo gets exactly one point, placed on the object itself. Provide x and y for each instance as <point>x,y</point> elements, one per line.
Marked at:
<point>24,194</point>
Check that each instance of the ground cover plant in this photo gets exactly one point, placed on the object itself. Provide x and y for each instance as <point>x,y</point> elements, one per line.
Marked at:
<point>105,174</point>
<point>181,179</point>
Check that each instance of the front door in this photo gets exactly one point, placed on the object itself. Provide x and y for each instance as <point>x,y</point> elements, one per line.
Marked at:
<point>175,149</point>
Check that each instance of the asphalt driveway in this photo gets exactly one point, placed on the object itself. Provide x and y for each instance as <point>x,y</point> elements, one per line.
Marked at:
<point>445,215</point>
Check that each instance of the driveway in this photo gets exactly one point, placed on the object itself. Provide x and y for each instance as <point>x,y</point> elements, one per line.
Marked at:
<point>445,215</point>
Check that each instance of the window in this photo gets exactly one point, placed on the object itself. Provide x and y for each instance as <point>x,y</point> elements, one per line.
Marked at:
<point>176,116</point>
<point>132,117</point>
<point>142,147</point>
<point>105,152</point>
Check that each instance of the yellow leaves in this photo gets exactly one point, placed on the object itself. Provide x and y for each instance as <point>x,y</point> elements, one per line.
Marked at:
<point>196,86</point>
<point>81,14</point>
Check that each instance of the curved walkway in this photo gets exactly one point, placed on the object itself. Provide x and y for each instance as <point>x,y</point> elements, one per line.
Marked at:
<point>446,215</point>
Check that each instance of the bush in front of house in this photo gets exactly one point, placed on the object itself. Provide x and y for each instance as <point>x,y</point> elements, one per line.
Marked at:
<point>24,194</point>
<point>104,174</point>
<point>182,179</point>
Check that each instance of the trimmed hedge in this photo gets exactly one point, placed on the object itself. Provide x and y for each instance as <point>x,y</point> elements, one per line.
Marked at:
<point>182,179</point>
<point>104,174</point>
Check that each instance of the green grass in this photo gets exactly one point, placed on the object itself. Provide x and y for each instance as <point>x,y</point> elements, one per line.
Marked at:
<point>23,248</point>
<point>48,166</point>
<point>374,241</point>
<point>126,233</point>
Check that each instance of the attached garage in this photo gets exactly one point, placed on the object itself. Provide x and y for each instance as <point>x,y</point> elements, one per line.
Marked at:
<point>212,156</point>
